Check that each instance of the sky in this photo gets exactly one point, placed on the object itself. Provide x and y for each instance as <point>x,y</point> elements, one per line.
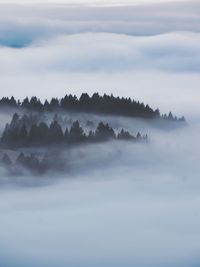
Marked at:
<point>123,51</point>
<point>101,2</point>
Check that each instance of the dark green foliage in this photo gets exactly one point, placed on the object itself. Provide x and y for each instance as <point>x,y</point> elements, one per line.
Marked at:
<point>107,104</point>
<point>104,132</point>
<point>5,139</point>
<point>25,132</point>
<point>23,136</point>
<point>43,133</point>
<point>125,135</point>
<point>15,120</point>
<point>16,134</point>
<point>54,104</point>
<point>55,133</point>
<point>34,135</point>
<point>76,133</point>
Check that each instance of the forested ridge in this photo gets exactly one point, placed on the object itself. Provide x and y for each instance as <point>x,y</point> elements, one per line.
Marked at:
<point>106,104</point>
<point>32,131</point>
<point>27,132</point>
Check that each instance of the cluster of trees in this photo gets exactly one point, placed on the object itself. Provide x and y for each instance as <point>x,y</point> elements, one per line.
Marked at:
<point>33,164</point>
<point>107,104</point>
<point>22,133</point>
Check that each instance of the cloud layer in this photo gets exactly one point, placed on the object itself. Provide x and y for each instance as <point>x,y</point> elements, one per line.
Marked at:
<point>142,208</point>
<point>176,52</point>
<point>22,25</point>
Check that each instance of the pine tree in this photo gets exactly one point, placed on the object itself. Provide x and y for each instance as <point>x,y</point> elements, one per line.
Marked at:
<point>76,133</point>
<point>104,132</point>
<point>55,133</point>
<point>23,136</point>
<point>124,135</point>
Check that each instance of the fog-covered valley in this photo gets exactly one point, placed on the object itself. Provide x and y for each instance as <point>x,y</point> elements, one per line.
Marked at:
<point>121,203</point>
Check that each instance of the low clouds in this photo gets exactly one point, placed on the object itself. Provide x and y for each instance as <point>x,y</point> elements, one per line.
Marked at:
<point>150,52</point>
<point>23,25</point>
<point>64,40</point>
<point>142,208</point>
<point>91,52</point>
<point>148,68</point>
<point>52,38</point>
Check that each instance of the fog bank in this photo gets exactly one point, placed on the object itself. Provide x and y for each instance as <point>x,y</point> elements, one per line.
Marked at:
<point>123,204</point>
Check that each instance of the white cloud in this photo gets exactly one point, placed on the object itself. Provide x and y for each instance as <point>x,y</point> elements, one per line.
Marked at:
<point>140,209</point>
<point>22,25</point>
<point>105,52</point>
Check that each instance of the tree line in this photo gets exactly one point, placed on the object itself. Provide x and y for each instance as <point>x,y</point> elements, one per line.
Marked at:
<point>26,132</point>
<point>31,163</point>
<point>106,104</point>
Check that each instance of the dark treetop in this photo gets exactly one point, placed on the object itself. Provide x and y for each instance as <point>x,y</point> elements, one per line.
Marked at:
<point>106,104</point>
<point>26,132</point>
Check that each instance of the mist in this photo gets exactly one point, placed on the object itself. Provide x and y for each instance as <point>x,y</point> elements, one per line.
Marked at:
<point>121,203</point>
<point>145,201</point>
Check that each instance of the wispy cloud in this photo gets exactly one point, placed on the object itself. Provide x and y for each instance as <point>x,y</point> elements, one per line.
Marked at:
<point>121,50</point>
<point>22,25</point>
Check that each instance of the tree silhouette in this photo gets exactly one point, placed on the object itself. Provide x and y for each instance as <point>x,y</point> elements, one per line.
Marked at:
<point>104,132</point>
<point>34,135</point>
<point>16,134</point>
<point>125,135</point>
<point>106,104</point>
<point>76,133</point>
<point>55,133</point>
<point>23,136</point>
<point>43,130</point>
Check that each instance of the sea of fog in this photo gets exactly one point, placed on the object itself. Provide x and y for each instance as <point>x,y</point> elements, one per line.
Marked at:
<point>124,204</point>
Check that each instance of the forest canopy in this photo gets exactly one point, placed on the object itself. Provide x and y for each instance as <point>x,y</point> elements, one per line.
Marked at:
<point>106,104</point>
<point>28,135</point>
<point>33,129</point>
<point>27,132</point>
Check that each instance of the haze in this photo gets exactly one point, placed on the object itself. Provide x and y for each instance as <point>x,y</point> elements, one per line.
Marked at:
<point>123,205</point>
<point>90,2</point>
